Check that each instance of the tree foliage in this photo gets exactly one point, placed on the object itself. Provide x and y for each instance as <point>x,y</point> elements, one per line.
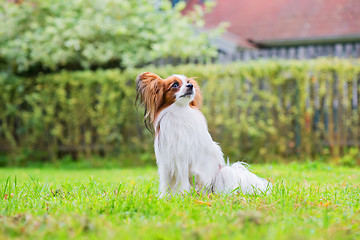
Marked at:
<point>52,34</point>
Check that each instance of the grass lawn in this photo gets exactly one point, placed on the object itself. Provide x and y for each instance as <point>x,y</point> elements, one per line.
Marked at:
<point>309,201</point>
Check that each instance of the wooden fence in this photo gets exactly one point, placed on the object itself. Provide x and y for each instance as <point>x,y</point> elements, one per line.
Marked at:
<point>341,50</point>
<point>331,116</point>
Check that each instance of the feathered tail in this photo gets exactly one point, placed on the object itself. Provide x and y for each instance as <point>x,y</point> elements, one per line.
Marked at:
<point>237,177</point>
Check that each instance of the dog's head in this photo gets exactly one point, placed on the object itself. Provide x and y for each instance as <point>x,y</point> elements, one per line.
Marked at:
<point>156,93</point>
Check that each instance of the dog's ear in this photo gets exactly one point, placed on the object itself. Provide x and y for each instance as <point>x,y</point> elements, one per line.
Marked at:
<point>150,92</point>
<point>198,100</point>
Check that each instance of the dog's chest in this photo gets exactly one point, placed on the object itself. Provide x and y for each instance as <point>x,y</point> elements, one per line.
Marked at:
<point>182,131</point>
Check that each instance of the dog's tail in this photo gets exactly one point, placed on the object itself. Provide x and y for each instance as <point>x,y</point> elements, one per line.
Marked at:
<point>236,177</point>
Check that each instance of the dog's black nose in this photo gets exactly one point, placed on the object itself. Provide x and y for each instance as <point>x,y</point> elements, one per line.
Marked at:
<point>190,86</point>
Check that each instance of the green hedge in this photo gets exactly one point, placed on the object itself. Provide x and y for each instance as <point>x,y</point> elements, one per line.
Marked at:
<point>257,111</point>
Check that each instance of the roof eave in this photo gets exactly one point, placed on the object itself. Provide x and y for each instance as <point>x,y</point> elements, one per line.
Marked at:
<point>308,41</point>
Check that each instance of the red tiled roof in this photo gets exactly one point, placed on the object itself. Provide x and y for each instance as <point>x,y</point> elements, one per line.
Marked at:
<point>270,20</point>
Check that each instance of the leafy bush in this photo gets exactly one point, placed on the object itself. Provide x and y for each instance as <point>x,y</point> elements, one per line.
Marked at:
<point>257,111</point>
<point>350,158</point>
<point>52,34</point>
<point>80,112</point>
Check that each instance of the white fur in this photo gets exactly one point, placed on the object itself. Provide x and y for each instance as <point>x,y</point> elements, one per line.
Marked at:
<point>186,154</point>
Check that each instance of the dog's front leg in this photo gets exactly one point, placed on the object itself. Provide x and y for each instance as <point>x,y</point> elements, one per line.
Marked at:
<point>185,186</point>
<point>164,181</point>
<point>182,185</point>
<point>172,183</point>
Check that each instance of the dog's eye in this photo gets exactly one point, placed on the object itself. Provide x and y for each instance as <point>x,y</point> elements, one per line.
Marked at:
<point>175,85</point>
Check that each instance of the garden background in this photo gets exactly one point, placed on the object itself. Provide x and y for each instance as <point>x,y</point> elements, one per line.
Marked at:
<point>67,84</point>
<point>76,161</point>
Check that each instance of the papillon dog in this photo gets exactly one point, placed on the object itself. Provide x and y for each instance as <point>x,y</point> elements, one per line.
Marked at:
<point>186,155</point>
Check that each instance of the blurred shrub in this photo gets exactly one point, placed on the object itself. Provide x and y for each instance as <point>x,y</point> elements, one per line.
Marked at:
<point>350,158</point>
<point>46,35</point>
<point>257,111</point>
<point>79,113</point>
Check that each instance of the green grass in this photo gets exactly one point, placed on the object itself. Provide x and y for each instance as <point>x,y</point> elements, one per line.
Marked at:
<point>309,201</point>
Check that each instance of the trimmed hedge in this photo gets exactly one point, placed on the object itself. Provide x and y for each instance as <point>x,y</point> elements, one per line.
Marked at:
<point>257,111</point>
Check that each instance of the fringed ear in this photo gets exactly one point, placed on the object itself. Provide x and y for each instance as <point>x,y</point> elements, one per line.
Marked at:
<point>197,102</point>
<point>150,94</point>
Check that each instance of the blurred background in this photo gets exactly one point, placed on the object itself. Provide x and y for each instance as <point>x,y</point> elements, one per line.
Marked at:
<point>280,79</point>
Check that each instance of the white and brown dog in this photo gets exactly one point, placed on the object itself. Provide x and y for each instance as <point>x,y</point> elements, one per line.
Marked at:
<point>186,154</point>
